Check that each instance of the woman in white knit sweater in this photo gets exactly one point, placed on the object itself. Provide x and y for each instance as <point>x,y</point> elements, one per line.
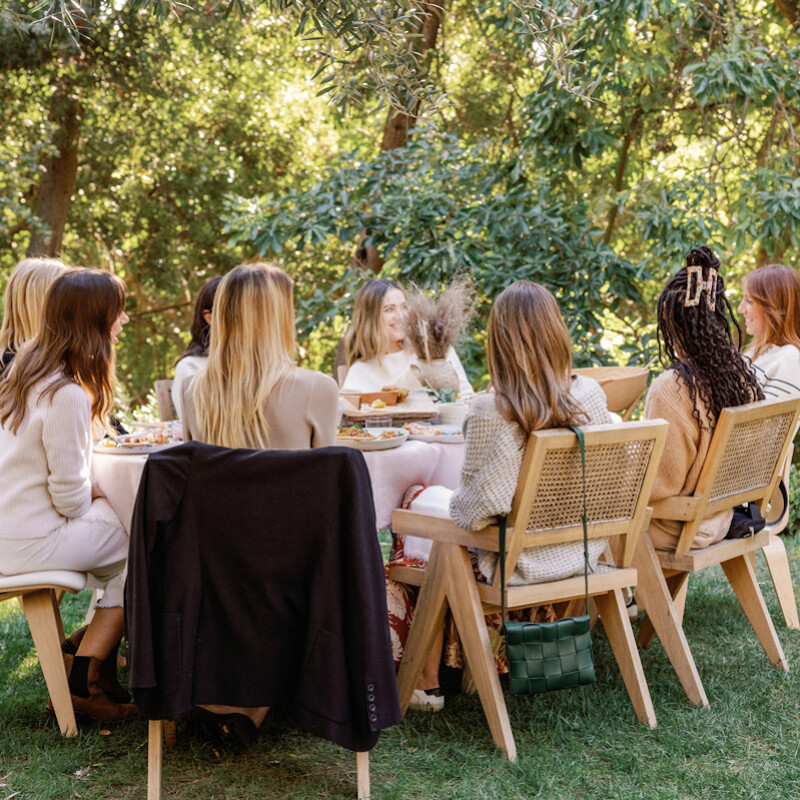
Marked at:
<point>375,347</point>
<point>530,365</point>
<point>771,310</point>
<point>60,386</point>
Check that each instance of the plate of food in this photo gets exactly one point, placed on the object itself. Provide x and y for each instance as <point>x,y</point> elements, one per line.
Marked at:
<point>442,434</point>
<point>130,444</point>
<point>370,438</point>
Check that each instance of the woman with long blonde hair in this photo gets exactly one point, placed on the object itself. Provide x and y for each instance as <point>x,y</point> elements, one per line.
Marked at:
<point>251,394</point>
<point>771,310</point>
<point>61,386</point>
<point>375,347</point>
<point>24,300</point>
<point>530,366</point>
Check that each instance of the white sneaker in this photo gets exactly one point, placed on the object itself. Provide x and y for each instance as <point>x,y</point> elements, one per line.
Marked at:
<point>427,700</point>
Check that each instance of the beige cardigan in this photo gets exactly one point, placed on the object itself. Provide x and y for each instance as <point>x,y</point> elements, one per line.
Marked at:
<point>302,413</point>
<point>684,453</point>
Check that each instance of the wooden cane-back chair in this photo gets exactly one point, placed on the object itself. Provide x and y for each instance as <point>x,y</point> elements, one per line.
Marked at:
<point>621,463</point>
<point>743,464</point>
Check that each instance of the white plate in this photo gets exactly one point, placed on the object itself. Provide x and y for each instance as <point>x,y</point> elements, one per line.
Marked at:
<point>448,434</point>
<point>374,444</point>
<point>133,451</point>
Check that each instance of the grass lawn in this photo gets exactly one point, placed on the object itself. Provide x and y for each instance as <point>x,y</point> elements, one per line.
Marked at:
<point>576,744</point>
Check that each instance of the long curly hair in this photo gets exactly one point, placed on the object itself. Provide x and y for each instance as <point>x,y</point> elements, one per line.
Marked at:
<point>697,342</point>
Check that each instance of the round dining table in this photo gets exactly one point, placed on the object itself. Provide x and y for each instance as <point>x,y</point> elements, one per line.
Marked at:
<point>116,475</point>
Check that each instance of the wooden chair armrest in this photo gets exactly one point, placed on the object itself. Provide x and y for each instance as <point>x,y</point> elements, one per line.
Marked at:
<point>680,508</point>
<point>442,529</point>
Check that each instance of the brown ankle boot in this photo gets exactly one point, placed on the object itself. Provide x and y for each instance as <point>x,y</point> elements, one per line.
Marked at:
<point>109,681</point>
<point>88,699</point>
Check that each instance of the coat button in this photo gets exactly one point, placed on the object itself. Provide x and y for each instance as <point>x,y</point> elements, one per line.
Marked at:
<point>373,718</point>
<point>370,687</point>
<point>372,706</point>
<point>370,697</point>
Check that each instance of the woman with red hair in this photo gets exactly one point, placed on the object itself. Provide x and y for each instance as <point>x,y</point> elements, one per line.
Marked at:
<point>771,310</point>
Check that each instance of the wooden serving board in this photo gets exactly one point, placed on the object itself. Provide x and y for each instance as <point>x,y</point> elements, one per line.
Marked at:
<point>417,408</point>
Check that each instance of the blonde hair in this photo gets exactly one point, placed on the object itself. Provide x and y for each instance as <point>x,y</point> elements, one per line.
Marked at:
<point>250,352</point>
<point>366,338</point>
<point>24,300</point>
<point>74,342</point>
<point>530,359</point>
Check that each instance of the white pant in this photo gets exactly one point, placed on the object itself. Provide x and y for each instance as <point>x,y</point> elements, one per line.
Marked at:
<point>95,543</point>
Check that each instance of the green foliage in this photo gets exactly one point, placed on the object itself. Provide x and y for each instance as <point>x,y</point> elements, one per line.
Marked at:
<point>436,209</point>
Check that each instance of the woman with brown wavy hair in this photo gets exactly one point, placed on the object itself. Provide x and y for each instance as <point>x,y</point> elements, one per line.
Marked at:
<point>530,366</point>
<point>705,373</point>
<point>771,310</point>
<point>60,387</point>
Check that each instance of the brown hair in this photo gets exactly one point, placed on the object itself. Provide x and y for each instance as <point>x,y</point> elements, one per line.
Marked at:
<point>530,359</point>
<point>74,342</point>
<point>198,346</point>
<point>366,338</point>
<point>776,290</point>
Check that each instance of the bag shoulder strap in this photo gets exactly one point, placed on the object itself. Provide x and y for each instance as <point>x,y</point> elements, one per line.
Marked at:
<point>585,519</point>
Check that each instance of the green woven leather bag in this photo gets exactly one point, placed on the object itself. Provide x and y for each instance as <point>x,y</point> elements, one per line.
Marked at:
<point>543,656</point>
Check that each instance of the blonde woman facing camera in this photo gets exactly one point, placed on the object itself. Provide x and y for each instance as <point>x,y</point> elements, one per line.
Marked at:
<point>251,394</point>
<point>771,310</point>
<point>375,345</point>
<point>24,300</point>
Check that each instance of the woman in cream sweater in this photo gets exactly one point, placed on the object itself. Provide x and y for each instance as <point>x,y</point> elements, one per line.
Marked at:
<point>771,310</point>
<point>61,385</point>
<point>375,347</point>
<point>530,365</point>
<point>705,373</point>
<point>251,394</point>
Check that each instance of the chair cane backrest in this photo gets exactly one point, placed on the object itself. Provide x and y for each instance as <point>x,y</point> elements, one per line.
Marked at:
<point>621,464</point>
<point>744,460</point>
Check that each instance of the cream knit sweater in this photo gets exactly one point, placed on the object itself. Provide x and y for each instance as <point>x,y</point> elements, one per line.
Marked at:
<point>45,465</point>
<point>489,477</point>
<point>395,370</point>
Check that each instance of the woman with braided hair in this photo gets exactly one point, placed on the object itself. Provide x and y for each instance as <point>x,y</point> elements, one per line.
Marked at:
<point>705,373</point>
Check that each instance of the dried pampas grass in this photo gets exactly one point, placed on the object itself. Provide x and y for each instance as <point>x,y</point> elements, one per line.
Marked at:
<point>434,325</point>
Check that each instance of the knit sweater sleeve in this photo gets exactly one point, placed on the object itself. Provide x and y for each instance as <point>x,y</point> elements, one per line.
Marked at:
<point>668,399</point>
<point>494,450</point>
<point>67,439</point>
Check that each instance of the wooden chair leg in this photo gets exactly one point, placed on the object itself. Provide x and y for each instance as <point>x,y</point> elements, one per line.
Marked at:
<point>742,578</point>
<point>465,605</point>
<point>428,620</point>
<point>362,775</point>
<point>41,611</point>
<point>154,753</point>
<point>677,586</point>
<point>778,564</point>
<point>614,616</point>
<point>664,618</point>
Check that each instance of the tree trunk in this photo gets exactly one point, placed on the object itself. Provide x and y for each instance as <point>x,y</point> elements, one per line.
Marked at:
<point>398,124</point>
<point>54,194</point>
<point>789,9</point>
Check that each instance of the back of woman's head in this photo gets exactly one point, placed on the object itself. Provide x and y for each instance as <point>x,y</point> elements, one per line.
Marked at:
<point>695,337</point>
<point>530,359</point>
<point>24,300</point>
<point>204,302</point>
<point>776,290</point>
<point>73,342</point>
<point>366,338</point>
<point>251,350</point>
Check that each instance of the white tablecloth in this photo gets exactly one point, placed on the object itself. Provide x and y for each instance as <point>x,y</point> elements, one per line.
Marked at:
<point>392,471</point>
